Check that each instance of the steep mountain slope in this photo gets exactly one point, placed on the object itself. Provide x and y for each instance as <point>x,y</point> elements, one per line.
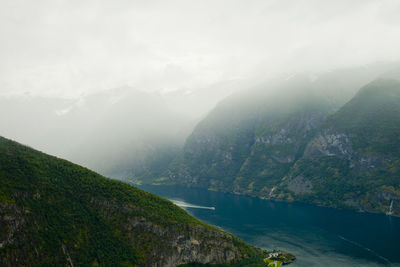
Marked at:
<point>53,212</point>
<point>131,135</point>
<point>120,133</point>
<point>299,141</point>
<point>252,139</point>
<point>354,158</point>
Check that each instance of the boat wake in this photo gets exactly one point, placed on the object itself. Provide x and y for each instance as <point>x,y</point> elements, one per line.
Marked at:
<point>183,204</point>
<point>364,248</point>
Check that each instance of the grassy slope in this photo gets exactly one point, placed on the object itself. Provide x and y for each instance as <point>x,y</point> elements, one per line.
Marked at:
<point>61,204</point>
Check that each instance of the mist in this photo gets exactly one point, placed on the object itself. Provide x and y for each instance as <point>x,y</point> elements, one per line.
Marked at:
<point>119,86</point>
<point>70,48</point>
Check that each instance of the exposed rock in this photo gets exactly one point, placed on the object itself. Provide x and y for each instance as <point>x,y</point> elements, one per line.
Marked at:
<point>278,138</point>
<point>329,144</point>
<point>300,186</point>
<point>365,163</point>
<point>55,213</point>
<point>11,221</point>
<point>175,245</point>
<point>68,257</point>
<point>341,160</point>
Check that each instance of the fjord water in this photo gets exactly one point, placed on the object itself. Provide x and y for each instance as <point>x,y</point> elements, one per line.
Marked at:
<point>318,236</point>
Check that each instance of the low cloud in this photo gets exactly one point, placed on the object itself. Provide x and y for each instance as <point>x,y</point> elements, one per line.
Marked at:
<point>70,48</point>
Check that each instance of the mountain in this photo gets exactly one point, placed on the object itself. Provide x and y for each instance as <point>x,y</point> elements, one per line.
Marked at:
<point>297,139</point>
<point>134,135</point>
<point>131,134</point>
<point>353,160</point>
<point>251,139</point>
<point>122,133</point>
<point>228,149</point>
<point>53,212</point>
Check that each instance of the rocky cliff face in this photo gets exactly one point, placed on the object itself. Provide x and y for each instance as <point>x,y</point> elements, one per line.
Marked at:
<point>246,145</point>
<point>197,245</point>
<point>167,246</point>
<point>55,213</point>
<point>348,162</point>
<point>171,245</point>
<point>332,173</point>
<point>297,151</point>
<point>11,222</point>
<point>328,143</point>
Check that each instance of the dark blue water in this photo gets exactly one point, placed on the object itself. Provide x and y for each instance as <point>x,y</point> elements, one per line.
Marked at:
<point>318,236</point>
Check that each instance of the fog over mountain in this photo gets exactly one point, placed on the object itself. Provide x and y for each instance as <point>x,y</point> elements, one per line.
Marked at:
<point>70,48</point>
<point>263,116</point>
<point>119,85</point>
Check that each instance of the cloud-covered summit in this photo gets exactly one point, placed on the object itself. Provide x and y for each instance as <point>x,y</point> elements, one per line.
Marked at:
<point>70,48</point>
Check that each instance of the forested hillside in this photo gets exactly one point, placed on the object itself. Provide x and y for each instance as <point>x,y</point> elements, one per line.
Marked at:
<point>295,143</point>
<point>354,158</point>
<point>53,212</point>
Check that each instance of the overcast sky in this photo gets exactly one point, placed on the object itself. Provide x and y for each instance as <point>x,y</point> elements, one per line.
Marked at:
<point>75,47</point>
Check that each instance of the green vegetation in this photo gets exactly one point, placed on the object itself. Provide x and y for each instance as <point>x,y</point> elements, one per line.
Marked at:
<point>273,263</point>
<point>279,257</point>
<point>53,212</point>
<point>294,147</point>
<point>251,262</point>
<point>250,140</point>
<point>372,117</point>
<point>364,174</point>
<point>269,259</point>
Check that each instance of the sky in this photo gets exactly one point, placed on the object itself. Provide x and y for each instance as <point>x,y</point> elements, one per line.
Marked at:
<point>70,48</point>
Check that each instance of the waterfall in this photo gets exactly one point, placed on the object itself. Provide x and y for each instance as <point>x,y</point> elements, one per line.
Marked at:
<point>272,191</point>
<point>390,212</point>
